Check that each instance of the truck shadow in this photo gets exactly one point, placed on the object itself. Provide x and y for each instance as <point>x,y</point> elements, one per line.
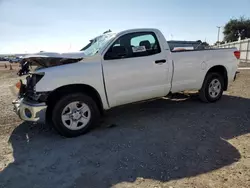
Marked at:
<point>160,140</point>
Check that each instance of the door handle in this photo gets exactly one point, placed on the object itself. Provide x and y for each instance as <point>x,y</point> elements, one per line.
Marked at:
<point>160,61</point>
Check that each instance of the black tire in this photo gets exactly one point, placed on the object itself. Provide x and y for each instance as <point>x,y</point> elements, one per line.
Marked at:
<point>204,94</point>
<point>62,103</point>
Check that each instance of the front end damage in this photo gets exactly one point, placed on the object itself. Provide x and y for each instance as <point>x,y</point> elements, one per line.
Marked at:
<point>30,111</point>
<point>45,62</point>
<point>30,105</point>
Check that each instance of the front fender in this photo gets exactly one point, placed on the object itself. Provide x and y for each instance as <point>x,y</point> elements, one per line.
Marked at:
<point>77,73</point>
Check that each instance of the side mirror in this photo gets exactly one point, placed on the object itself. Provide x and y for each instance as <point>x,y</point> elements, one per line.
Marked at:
<point>116,52</point>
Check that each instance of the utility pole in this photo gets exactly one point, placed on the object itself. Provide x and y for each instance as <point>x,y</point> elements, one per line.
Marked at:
<point>218,37</point>
<point>69,47</point>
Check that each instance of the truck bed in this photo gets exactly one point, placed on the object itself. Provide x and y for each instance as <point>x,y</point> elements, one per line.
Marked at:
<point>190,66</point>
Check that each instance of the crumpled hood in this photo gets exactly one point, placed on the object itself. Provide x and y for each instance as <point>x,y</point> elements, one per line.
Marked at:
<point>68,55</point>
<point>49,59</point>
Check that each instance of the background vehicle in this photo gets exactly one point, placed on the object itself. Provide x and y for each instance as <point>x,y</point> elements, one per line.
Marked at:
<point>2,59</point>
<point>117,69</point>
<point>14,60</point>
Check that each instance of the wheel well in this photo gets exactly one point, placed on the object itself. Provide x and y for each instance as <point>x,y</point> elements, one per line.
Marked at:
<point>223,72</point>
<point>58,93</point>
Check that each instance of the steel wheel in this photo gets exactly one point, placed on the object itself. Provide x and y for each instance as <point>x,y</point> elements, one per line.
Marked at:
<point>214,88</point>
<point>76,115</point>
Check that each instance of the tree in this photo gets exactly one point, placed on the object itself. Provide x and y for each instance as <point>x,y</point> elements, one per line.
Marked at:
<point>236,28</point>
<point>205,44</point>
<point>219,42</point>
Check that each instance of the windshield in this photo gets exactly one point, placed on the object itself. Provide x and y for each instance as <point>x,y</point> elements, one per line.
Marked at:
<point>97,43</point>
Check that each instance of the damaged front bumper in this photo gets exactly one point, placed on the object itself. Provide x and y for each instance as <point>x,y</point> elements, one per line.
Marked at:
<point>30,110</point>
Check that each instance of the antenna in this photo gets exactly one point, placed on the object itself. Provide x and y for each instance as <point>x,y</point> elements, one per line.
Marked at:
<point>171,35</point>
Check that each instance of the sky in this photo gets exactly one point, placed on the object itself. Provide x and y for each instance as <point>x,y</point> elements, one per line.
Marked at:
<point>29,26</point>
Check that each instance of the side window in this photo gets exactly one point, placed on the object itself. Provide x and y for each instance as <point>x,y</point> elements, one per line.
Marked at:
<point>134,45</point>
<point>137,40</point>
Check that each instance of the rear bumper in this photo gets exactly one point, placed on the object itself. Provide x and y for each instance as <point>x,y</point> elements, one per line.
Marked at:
<point>30,111</point>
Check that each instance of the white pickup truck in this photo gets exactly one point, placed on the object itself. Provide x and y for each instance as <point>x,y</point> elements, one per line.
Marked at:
<point>117,69</point>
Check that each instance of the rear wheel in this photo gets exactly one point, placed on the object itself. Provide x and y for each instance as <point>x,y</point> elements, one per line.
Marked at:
<point>212,88</point>
<point>75,114</point>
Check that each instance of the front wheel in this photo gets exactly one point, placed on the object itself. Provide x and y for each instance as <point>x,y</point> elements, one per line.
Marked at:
<point>212,88</point>
<point>74,114</point>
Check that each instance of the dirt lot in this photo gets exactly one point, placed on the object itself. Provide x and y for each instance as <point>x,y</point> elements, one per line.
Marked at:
<point>5,65</point>
<point>164,143</point>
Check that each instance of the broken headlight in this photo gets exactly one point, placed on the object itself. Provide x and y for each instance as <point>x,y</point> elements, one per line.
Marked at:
<point>32,80</point>
<point>28,89</point>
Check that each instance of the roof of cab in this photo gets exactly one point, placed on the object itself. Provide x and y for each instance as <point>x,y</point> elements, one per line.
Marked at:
<point>136,30</point>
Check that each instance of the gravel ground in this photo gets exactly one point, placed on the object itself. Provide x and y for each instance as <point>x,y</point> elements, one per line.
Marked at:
<point>244,64</point>
<point>178,142</point>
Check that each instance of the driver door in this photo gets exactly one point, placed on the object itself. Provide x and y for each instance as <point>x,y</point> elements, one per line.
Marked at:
<point>135,68</point>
